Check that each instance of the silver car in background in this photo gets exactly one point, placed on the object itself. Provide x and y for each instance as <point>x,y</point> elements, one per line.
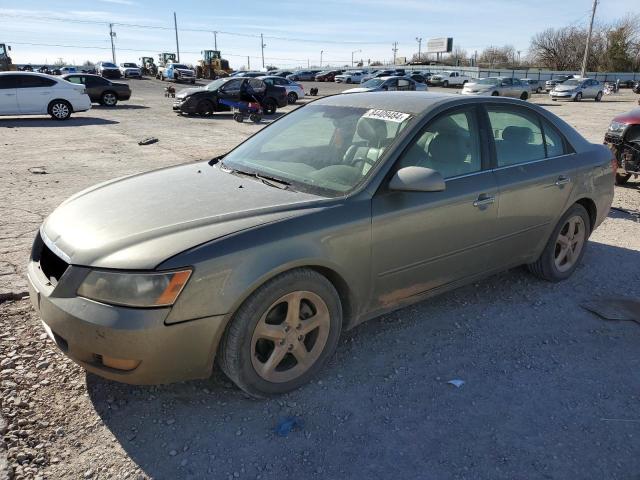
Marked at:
<point>294,90</point>
<point>576,89</point>
<point>387,84</point>
<point>497,87</point>
<point>535,86</point>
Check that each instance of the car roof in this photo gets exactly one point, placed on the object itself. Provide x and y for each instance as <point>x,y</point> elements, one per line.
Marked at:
<point>408,102</point>
<point>34,74</point>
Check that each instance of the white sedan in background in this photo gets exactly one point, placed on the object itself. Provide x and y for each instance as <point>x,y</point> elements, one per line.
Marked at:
<point>350,77</point>
<point>26,93</point>
<point>294,90</point>
<point>130,70</point>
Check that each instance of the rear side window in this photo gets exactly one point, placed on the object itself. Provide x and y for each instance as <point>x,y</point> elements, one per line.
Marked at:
<point>7,81</point>
<point>522,136</point>
<point>517,136</point>
<point>77,80</point>
<point>32,81</point>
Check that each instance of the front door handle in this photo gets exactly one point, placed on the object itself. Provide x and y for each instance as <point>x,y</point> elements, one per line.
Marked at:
<point>484,200</point>
<point>562,180</point>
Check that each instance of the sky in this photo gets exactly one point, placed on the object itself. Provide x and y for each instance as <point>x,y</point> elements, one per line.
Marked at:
<point>295,31</point>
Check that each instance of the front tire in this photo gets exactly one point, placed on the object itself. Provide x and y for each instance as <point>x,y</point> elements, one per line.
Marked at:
<point>622,178</point>
<point>578,97</point>
<point>445,84</point>
<point>598,97</point>
<point>60,110</point>
<point>204,108</point>
<point>283,334</point>
<point>565,248</point>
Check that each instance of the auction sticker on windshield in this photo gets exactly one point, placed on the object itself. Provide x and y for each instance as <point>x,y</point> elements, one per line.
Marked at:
<point>388,115</point>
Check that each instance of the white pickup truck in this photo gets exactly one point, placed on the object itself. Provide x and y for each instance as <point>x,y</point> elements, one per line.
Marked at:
<point>446,79</point>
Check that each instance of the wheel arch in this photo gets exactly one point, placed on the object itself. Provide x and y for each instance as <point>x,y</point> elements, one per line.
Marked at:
<point>59,100</point>
<point>591,208</point>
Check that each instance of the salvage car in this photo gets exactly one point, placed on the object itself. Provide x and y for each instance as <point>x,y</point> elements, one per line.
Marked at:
<point>207,100</point>
<point>101,90</point>
<point>108,70</point>
<point>535,86</point>
<point>558,79</point>
<point>130,69</point>
<point>351,206</point>
<point>497,87</point>
<point>303,75</point>
<point>576,89</point>
<point>327,75</point>
<point>178,72</point>
<point>623,137</point>
<point>294,91</point>
<point>26,93</point>
<point>385,84</point>
<point>349,77</point>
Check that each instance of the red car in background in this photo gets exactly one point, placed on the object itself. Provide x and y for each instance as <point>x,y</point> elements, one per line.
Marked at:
<point>328,75</point>
<point>623,137</point>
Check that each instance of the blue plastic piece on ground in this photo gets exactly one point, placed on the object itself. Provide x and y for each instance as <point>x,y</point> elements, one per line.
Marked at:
<point>286,425</point>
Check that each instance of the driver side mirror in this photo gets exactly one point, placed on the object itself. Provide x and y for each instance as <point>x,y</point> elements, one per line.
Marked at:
<point>417,179</point>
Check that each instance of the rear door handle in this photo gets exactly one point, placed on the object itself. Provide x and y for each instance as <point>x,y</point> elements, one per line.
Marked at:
<point>562,180</point>
<point>484,200</point>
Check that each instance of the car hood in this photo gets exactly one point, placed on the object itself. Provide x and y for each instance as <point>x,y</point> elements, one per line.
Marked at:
<point>110,68</point>
<point>359,90</point>
<point>183,70</point>
<point>185,92</point>
<point>566,88</point>
<point>137,222</point>
<point>630,118</point>
<point>479,86</point>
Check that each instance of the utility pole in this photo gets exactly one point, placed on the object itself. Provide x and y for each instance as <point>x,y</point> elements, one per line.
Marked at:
<point>395,51</point>
<point>321,52</point>
<point>112,35</point>
<point>419,40</point>
<point>355,51</point>
<point>262,45</point>
<point>588,46</point>
<point>518,57</point>
<point>175,24</point>
<point>215,40</point>
<point>248,63</point>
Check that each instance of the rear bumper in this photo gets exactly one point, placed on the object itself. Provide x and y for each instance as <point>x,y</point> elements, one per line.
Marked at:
<point>124,95</point>
<point>81,104</point>
<point>99,337</point>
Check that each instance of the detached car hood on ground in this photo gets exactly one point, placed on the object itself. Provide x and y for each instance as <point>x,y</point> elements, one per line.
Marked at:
<point>137,222</point>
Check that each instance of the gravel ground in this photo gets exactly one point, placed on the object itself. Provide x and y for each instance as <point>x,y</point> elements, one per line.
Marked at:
<point>550,391</point>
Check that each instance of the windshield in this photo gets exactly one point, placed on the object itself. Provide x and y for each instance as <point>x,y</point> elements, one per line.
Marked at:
<point>572,82</point>
<point>129,65</point>
<point>488,81</point>
<point>180,65</point>
<point>321,149</point>
<point>373,83</point>
<point>216,84</point>
<point>109,65</point>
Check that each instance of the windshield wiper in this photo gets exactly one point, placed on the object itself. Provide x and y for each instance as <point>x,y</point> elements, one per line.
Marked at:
<point>266,179</point>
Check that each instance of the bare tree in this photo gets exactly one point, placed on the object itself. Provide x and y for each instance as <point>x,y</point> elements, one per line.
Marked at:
<point>498,56</point>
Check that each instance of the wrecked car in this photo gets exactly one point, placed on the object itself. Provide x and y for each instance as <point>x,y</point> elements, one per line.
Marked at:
<point>351,206</point>
<point>623,137</point>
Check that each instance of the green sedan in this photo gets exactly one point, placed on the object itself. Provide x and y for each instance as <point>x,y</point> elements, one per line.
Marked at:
<point>347,208</point>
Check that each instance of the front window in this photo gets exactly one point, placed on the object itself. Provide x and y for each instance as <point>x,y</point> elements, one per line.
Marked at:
<point>322,149</point>
<point>488,81</point>
<point>180,65</point>
<point>572,83</point>
<point>213,86</point>
<point>109,65</point>
<point>129,65</point>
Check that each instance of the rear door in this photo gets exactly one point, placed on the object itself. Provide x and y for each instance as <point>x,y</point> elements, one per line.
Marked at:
<point>534,168</point>
<point>95,86</point>
<point>35,93</point>
<point>405,85</point>
<point>424,240</point>
<point>8,95</point>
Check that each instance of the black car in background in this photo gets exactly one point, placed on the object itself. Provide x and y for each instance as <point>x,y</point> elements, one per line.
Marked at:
<point>206,100</point>
<point>99,89</point>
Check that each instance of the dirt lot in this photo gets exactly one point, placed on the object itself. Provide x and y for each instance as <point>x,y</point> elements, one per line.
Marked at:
<point>550,391</point>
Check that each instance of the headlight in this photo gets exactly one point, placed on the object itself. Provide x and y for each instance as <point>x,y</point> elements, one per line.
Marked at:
<point>134,289</point>
<point>617,127</point>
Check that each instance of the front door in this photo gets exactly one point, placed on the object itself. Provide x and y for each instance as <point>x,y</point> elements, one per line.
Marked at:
<point>8,95</point>
<point>424,240</point>
<point>534,169</point>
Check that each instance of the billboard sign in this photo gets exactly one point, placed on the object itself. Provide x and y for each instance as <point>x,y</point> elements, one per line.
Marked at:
<point>440,45</point>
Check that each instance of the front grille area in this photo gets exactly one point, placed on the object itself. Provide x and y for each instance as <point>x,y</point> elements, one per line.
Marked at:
<point>51,265</point>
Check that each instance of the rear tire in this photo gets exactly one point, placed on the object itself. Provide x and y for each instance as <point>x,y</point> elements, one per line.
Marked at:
<point>445,84</point>
<point>495,94</point>
<point>270,106</point>
<point>524,96</point>
<point>60,110</point>
<point>622,178</point>
<point>268,364</point>
<point>109,99</point>
<point>598,97</point>
<point>292,98</point>
<point>550,265</point>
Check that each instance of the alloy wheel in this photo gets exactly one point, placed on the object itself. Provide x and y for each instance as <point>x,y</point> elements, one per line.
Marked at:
<point>569,243</point>
<point>109,99</point>
<point>60,110</point>
<point>290,336</point>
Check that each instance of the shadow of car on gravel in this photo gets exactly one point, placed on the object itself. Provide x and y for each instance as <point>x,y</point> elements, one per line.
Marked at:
<point>120,106</point>
<point>544,381</point>
<point>48,122</point>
